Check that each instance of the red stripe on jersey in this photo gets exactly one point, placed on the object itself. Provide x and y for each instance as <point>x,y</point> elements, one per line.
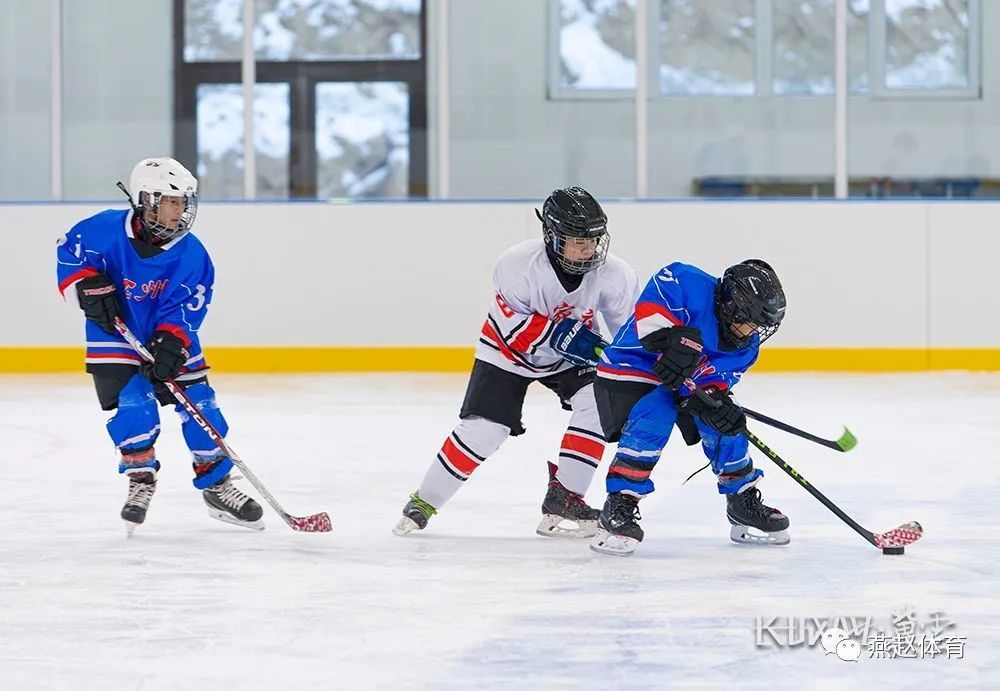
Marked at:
<point>491,334</point>
<point>648,309</point>
<point>534,329</point>
<point>612,372</point>
<point>116,356</point>
<point>85,272</point>
<point>587,447</point>
<point>176,331</point>
<point>463,463</point>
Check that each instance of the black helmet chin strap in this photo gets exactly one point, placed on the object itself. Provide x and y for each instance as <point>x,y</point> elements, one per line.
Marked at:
<point>131,202</point>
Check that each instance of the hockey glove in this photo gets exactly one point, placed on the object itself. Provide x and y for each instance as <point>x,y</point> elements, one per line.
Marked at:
<point>679,349</point>
<point>576,343</point>
<point>98,301</point>
<point>169,355</point>
<point>727,418</point>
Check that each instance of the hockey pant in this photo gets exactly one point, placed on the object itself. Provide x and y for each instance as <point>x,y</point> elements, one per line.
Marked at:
<point>476,438</point>
<point>646,433</point>
<point>136,426</point>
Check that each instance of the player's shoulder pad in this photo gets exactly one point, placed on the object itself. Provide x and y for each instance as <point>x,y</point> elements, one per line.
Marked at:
<point>516,261</point>
<point>107,221</point>
<point>680,272</point>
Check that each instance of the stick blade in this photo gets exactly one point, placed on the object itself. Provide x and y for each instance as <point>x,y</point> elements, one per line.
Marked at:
<point>905,534</point>
<point>847,440</point>
<point>317,523</point>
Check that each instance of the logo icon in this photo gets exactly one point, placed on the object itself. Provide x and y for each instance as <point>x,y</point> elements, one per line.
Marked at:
<point>849,650</point>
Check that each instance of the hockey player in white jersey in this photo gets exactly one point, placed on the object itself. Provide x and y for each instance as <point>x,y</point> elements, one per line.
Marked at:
<point>540,327</point>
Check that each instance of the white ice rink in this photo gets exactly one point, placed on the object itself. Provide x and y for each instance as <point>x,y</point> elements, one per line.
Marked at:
<point>478,601</point>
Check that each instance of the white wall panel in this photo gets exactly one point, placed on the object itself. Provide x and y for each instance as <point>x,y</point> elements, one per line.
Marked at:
<point>857,274</point>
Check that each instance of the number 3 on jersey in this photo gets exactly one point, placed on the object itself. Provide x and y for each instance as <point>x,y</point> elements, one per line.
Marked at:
<point>199,299</point>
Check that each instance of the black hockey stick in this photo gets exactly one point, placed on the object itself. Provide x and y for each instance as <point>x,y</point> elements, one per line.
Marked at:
<point>316,523</point>
<point>845,442</point>
<point>890,542</point>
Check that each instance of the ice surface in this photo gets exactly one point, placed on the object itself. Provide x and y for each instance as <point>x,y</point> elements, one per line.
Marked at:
<point>477,600</point>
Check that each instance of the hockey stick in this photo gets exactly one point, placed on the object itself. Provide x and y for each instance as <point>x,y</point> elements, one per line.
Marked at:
<point>316,523</point>
<point>890,542</point>
<point>845,442</point>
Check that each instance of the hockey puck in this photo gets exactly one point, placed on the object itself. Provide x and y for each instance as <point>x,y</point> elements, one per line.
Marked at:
<point>892,550</point>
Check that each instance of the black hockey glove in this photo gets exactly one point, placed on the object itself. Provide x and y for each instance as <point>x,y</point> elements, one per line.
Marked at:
<point>726,419</point>
<point>169,355</point>
<point>576,343</point>
<point>98,301</point>
<point>680,350</point>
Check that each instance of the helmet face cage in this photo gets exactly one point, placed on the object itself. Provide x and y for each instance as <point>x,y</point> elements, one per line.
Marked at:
<point>572,220</point>
<point>149,205</point>
<point>732,313</point>
<point>560,241</point>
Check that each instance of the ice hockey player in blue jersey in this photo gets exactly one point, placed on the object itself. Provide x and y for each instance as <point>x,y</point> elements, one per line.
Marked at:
<point>144,265</point>
<point>689,329</point>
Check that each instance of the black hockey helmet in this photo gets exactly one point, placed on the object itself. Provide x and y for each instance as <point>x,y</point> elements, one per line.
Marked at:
<point>749,293</point>
<point>571,217</point>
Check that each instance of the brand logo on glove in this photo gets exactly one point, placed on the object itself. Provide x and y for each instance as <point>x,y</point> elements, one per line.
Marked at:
<point>693,345</point>
<point>568,338</point>
<point>99,291</point>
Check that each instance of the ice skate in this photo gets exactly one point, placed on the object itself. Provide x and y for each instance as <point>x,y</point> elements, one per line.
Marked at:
<point>618,530</point>
<point>228,504</point>
<point>416,513</point>
<point>565,513</point>
<point>754,523</point>
<point>141,487</point>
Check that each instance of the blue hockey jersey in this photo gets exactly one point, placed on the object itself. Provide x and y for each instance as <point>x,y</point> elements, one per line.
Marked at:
<point>678,294</point>
<point>170,291</point>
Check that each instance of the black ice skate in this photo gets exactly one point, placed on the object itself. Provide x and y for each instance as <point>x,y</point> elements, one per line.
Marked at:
<point>565,513</point>
<point>416,513</point>
<point>141,487</point>
<point>745,511</point>
<point>618,530</point>
<point>228,504</point>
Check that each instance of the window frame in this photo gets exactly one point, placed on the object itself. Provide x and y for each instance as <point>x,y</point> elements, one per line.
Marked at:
<point>302,76</point>
<point>764,62</point>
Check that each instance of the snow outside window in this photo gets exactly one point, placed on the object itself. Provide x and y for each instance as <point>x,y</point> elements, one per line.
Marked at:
<point>304,30</point>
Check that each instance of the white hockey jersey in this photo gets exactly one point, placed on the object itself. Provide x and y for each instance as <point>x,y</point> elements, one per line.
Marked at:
<point>529,299</point>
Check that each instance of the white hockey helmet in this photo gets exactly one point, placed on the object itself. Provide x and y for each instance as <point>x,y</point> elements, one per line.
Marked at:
<point>155,178</point>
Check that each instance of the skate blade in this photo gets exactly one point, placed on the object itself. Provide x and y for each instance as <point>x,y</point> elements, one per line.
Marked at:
<point>130,527</point>
<point>557,526</point>
<point>746,535</point>
<point>232,520</point>
<point>405,526</point>
<point>617,545</point>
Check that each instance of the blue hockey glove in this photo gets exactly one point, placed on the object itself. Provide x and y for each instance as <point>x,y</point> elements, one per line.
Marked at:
<point>576,343</point>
